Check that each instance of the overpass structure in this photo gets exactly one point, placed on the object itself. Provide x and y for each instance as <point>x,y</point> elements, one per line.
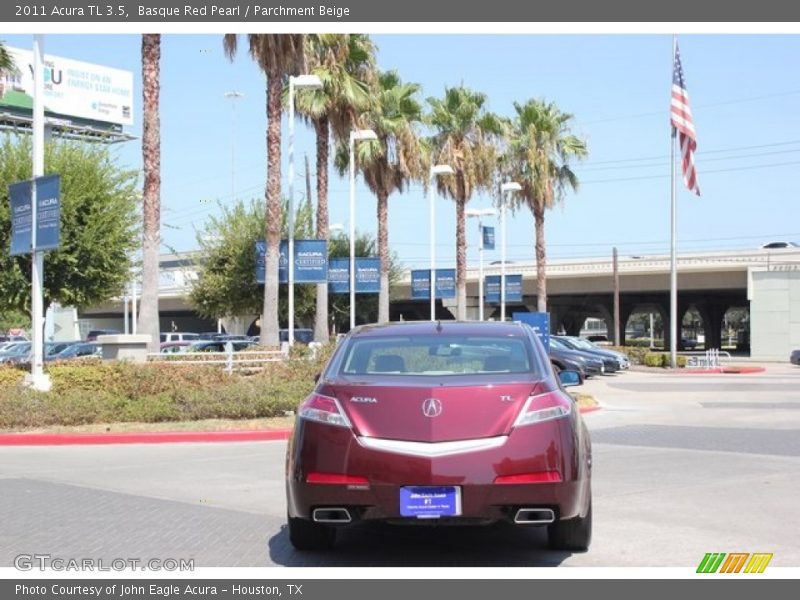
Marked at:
<point>764,282</point>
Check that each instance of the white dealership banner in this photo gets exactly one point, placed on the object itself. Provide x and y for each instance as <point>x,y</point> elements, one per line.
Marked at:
<point>72,88</point>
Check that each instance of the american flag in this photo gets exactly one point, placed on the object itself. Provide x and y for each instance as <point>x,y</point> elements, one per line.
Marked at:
<point>681,119</point>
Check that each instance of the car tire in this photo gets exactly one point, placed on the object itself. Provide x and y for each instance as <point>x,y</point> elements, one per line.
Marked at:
<point>572,535</point>
<point>307,535</point>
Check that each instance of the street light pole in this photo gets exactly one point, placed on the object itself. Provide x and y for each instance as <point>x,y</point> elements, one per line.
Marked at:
<point>355,135</point>
<point>233,96</point>
<point>38,379</point>
<point>302,82</point>
<point>507,188</point>
<point>435,170</point>
<point>480,213</point>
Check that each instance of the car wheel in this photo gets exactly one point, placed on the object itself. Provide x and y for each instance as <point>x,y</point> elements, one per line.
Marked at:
<point>307,535</point>
<point>573,535</point>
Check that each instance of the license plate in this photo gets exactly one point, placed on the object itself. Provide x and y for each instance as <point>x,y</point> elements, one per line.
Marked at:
<point>430,502</point>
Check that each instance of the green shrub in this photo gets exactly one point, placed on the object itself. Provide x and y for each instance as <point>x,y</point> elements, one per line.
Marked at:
<point>656,359</point>
<point>681,361</point>
<point>635,354</point>
<point>103,392</point>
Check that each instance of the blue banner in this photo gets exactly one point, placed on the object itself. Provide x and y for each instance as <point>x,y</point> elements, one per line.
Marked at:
<point>20,195</point>
<point>261,261</point>
<point>488,238</point>
<point>540,322</point>
<point>368,275</point>
<point>310,261</point>
<point>48,214</point>
<point>445,283</point>
<point>491,289</point>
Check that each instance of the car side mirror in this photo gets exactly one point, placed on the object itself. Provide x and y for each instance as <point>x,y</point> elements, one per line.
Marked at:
<point>570,378</point>
<point>316,377</point>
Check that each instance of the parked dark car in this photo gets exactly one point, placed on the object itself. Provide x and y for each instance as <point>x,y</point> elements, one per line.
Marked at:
<point>566,361</point>
<point>304,336</point>
<point>219,346</point>
<point>688,343</point>
<point>602,365</point>
<point>580,344</point>
<point>432,424</point>
<point>173,347</point>
<point>17,353</point>
<point>56,347</point>
<point>82,350</point>
<point>795,358</point>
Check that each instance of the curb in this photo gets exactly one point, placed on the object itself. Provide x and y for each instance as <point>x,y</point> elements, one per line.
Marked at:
<point>160,437</point>
<point>722,371</point>
<point>165,437</point>
<point>589,409</point>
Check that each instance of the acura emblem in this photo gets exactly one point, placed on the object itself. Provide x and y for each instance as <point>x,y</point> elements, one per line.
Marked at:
<point>431,407</point>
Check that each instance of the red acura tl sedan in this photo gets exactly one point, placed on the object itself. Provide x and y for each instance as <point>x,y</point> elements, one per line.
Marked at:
<point>450,423</point>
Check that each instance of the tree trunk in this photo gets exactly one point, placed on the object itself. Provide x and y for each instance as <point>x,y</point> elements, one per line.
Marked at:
<point>383,253</point>
<point>269,315</point>
<point>541,259</point>
<point>323,136</point>
<point>461,255</point>
<point>151,158</point>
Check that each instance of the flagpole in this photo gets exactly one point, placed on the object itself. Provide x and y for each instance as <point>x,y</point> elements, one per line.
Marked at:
<point>673,276</point>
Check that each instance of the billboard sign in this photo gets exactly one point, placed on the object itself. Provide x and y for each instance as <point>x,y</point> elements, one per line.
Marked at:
<point>368,275</point>
<point>445,283</point>
<point>492,289</point>
<point>71,89</point>
<point>48,214</point>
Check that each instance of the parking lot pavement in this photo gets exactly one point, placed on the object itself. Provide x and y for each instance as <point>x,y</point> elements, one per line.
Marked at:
<point>683,465</point>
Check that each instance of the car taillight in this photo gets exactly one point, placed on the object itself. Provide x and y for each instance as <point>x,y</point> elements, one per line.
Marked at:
<point>323,409</point>
<point>540,477</point>
<point>543,407</point>
<point>336,479</point>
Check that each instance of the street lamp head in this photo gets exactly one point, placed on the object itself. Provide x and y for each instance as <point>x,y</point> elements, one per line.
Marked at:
<point>480,212</point>
<point>441,170</point>
<point>308,82</point>
<point>361,135</point>
<point>510,186</point>
<point>233,94</point>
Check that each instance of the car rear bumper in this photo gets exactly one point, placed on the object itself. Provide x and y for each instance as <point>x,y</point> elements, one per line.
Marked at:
<point>317,448</point>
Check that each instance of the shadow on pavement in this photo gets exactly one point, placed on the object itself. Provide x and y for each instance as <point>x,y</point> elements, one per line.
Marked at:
<point>380,545</point>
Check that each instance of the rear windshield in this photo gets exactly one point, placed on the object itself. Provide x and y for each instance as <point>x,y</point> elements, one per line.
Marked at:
<point>436,355</point>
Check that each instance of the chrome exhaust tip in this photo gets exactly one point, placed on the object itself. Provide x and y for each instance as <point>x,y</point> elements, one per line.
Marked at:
<point>534,516</point>
<point>331,515</point>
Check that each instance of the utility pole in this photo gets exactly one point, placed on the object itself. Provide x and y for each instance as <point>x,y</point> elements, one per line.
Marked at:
<point>617,339</point>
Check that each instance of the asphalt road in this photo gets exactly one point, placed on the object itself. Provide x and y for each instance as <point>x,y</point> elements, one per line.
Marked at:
<point>684,465</point>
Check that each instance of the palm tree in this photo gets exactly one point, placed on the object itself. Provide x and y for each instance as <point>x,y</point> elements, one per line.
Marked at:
<point>346,66</point>
<point>6,62</point>
<point>540,150</point>
<point>465,138</point>
<point>390,162</point>
<point>278,56</point>
<point>151,194</point>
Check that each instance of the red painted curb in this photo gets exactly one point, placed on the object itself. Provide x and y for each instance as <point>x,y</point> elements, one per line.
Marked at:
<point>588,409</point>
<point>721,371</point>
<point>165,437</point>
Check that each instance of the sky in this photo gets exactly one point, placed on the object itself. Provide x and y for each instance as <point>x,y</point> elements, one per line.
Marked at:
<point>744,90</point>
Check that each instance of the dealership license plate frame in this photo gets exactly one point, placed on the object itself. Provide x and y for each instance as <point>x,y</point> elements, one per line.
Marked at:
<point>444,501</point>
